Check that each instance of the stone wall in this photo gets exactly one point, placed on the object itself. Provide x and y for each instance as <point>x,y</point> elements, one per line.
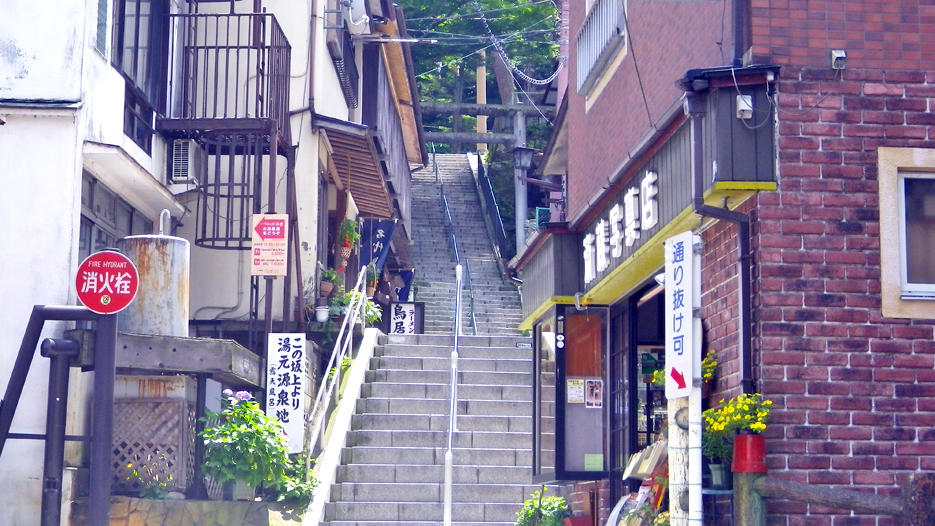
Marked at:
<point>128,511</point>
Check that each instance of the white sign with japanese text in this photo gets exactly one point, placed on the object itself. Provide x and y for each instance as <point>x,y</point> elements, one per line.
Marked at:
<point>679,318</point>
<point>403,318</point>
<point>285,385</point>
<point>270,241</point>
<point>625,222</point>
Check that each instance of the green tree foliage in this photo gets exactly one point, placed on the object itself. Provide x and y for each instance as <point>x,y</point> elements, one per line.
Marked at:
<point>526,29</point>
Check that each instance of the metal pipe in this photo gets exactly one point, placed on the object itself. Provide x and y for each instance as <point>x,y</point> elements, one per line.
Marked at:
<point>14,389</point>
<point>519,186</point>
<point>102,418</point>
<point>59,352</point>
<point>162,215</point>
<point>695,109</point>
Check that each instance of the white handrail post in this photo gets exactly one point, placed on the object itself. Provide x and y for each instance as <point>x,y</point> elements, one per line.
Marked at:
<point>452,400</point>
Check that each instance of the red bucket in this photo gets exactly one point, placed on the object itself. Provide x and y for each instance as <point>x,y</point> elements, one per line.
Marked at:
<point>749,454</point>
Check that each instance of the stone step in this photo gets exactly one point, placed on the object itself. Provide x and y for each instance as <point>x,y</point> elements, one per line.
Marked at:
<point>419,406</point>
<point>410,363</point>
<point>413,473</point>
<point>465,392</point>
<point>460,439</point>
<point>387,512</point>
<point>463,341</point>
<point>439,422</point>
<point>444,376</point>
<point>430,492</point>
<point>464,351</point>
<point>431,456</point>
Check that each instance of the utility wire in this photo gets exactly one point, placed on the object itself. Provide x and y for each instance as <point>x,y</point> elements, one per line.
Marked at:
<point>457,16</point>
<point>639,79</point>
<point>506,57</point>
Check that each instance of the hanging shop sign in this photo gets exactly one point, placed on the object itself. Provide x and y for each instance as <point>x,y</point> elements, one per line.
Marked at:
<point>623,226</point>
<point>651,198</point>
<point>285,385</point>
<point>106,282</point>
<point>270,244</point>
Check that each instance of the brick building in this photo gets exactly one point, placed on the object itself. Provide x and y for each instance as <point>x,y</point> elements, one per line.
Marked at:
<point>798,133</point>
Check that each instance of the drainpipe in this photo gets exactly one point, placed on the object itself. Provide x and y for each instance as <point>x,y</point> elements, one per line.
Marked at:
<point>695,110</point>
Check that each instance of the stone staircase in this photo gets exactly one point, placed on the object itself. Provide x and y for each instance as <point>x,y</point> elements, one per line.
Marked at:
<point>496,303</point>
<point>392,468</point>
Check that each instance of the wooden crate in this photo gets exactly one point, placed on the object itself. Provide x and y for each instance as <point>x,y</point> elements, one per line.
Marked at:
<point>156,438</point>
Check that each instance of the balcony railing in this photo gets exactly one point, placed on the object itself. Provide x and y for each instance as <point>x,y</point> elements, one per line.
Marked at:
<point>229,66</point>
<point>600,37</point>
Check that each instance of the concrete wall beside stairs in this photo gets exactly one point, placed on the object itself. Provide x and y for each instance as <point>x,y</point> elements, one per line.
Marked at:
<point>496,303</point>
<point>392,469</point>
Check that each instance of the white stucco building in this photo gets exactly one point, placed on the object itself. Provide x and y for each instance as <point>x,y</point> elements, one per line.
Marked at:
<point>112,111</point>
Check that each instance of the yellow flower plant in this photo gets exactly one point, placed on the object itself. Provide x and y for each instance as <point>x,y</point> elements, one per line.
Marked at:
<point>746,412</point>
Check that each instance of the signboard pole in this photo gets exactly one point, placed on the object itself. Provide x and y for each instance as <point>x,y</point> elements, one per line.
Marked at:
<point>683,374</point>
<point>102,417</point>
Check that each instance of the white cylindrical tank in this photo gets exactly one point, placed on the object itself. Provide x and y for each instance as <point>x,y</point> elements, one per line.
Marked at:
<point>161,305</point>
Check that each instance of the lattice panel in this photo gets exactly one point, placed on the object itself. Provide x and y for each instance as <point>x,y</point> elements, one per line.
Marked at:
<point>155,438</point>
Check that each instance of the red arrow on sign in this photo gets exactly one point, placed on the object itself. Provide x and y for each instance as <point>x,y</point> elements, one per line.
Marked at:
<point>271,228</point>
<point>679,378</point>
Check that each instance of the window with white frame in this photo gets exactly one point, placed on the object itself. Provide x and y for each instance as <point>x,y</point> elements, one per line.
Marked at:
<point>105,218</point>
<point>917,233</point>
<point>601,37</point>
<point>906,178</point>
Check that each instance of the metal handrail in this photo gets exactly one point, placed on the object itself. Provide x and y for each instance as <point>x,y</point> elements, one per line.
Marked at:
<point>342,345</point>
<point>452,400</point>
<point>446,210</point>
<point>494,220</point>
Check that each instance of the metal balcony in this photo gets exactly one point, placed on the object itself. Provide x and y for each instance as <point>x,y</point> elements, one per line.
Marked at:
<point>228,73</point>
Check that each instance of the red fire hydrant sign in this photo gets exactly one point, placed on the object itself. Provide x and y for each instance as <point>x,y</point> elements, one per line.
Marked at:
<point>107,282</point>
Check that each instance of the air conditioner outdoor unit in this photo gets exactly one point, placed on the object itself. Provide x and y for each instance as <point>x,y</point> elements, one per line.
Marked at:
<point>186,162</point>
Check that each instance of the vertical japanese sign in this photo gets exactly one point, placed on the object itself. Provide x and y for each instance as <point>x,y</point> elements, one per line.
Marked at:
<point>403,318</point>
<point>375,241</point>
<point>679,299</point>
<point>285,385</point>
<point>270,243</point>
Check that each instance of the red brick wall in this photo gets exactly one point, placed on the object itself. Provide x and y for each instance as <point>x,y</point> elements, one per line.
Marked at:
<point>877,34</point>
<point>853,391</point>
<point>668,39</point>
<point>720,301</point>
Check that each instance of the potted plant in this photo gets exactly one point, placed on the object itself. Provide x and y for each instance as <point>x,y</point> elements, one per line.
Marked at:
<point>347,237</point>
<point>708,368</point>
<point>543,511</point>
<point>744,418</point>
<point>330,278</point>
<point>339,304</point>
<point>244,448</point>
<point>717,445</point>
<point>373,279</point>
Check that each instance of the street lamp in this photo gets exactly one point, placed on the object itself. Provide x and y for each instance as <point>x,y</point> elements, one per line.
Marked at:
<point>522,161</point>
<point>522,156</point>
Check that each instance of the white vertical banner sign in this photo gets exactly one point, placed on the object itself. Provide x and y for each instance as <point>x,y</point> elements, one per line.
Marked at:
<point>679,299</point>
<point>285,385</point>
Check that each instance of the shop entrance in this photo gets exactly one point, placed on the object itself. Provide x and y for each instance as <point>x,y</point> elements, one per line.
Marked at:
<point>637,350</point>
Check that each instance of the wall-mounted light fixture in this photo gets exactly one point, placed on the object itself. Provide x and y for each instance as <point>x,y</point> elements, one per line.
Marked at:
<point>838,59</point>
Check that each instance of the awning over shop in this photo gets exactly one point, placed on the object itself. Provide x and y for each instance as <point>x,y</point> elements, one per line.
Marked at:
<point>358,165</point>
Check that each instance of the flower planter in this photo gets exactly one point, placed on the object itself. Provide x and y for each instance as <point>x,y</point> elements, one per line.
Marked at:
<point>578,521</point>
<point>344,252</point>
<point>239,490</point>
<point>749,454</point>
<point>325,288</point>
<point>720,476</point>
